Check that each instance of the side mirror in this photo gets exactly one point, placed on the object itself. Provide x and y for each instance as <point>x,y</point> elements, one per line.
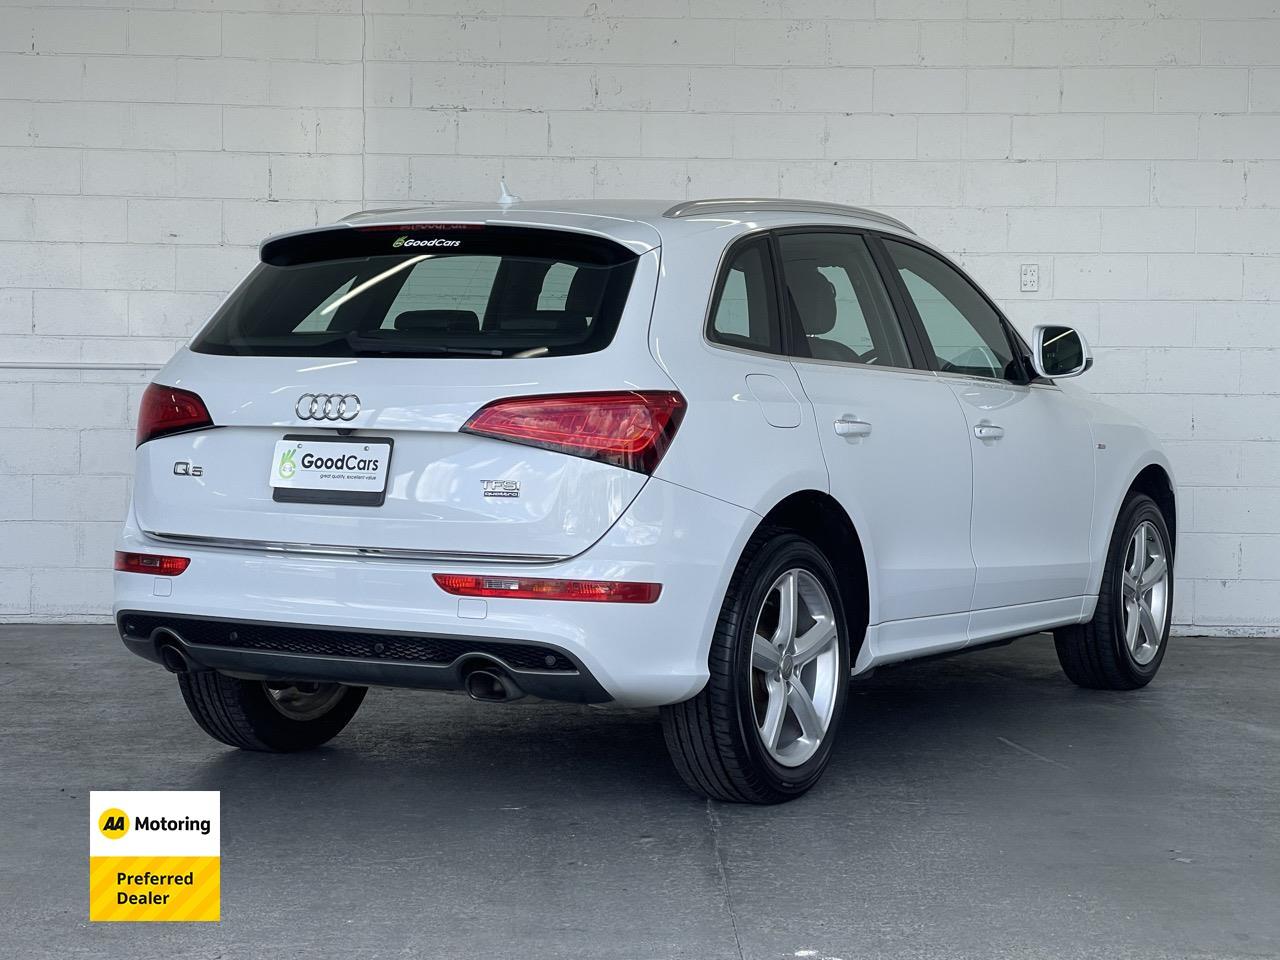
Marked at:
<point>1058,352</point>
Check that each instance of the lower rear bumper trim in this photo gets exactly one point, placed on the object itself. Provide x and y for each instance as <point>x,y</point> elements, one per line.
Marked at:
<point>199,640</point>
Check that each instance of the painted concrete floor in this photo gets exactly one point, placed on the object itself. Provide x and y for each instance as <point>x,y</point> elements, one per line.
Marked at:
<point>977,807</point>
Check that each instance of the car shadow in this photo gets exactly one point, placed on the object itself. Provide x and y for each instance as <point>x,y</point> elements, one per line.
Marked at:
<point>900,725</point>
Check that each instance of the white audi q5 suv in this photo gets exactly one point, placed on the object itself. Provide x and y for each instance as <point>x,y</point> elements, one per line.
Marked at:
<point>715,457</point>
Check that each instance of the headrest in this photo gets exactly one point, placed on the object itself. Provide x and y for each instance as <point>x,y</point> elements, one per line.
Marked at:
<point>438,321</point>
<point>814,299</point>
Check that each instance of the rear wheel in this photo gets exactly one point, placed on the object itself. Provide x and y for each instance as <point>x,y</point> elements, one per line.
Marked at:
<point>1122,646</point>
<point>762,729</point>
<point>276,716</point>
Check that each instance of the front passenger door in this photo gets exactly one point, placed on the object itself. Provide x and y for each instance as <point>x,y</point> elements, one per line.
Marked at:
<point>1033,454</point>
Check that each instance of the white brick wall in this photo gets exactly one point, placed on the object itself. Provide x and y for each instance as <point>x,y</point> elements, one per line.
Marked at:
<point>1131,148</point>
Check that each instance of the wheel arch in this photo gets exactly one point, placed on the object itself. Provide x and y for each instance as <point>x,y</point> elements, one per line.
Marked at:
<point>1154,480</point>
<point>1151,475</point>
<point>819,517</point>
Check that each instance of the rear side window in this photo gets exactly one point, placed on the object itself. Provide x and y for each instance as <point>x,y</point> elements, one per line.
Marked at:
<point>745,314</point>
<point>837,301</point>
<point>426,290</point>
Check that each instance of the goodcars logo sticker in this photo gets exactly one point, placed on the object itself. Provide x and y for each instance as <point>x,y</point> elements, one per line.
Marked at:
<point>433,242</point>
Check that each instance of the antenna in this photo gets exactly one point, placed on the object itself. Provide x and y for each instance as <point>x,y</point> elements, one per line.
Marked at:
<point>506,198</point>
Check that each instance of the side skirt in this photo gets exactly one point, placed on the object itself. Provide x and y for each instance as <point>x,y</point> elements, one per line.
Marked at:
<point>899,640</point>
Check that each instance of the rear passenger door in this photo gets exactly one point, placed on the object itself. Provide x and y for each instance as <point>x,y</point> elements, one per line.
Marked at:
<point>892,436</point>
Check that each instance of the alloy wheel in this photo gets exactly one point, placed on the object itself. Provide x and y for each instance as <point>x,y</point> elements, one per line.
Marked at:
<point>795,662</point>
<point>1144,592</point>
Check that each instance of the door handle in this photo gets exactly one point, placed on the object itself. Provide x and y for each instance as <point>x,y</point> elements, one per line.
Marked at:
<point>852,427</point>
<point>987,431</point>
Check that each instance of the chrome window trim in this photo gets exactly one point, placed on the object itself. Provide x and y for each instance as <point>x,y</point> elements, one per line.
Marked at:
<point>855,365</point>
<point>776,357</point>
<point>976,378</point>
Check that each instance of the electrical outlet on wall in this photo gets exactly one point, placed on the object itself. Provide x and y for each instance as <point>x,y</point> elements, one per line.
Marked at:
<point>1029,279</point>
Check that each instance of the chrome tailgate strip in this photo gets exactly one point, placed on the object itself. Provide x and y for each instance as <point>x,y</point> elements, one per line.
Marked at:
<point>337,550</point>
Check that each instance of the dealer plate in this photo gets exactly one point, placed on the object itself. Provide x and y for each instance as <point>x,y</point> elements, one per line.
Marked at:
<point>308,469</point>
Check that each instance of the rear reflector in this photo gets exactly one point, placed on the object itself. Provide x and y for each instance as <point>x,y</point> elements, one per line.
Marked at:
<point>537,588</point>
<point>153,563</point>
<point>166,410</point>
<point>630,429</point>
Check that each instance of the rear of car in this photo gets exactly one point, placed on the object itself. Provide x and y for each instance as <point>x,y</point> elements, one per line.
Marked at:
<point>569,453</point>
<point>407,454</point>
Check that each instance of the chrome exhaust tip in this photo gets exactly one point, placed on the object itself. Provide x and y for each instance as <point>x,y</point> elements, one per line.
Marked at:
<point>173,659</point>
<point>491,686</point>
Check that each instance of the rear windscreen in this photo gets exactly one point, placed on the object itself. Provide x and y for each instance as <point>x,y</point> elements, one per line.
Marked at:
<point>426,290</point>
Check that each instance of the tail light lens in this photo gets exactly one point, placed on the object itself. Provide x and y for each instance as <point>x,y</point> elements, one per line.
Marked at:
<point>167,410</point>
<point>152,563</point>
<point>538,588</point>
<point>631,429</point>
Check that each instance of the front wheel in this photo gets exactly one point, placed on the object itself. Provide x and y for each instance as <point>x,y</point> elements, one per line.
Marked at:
<point>1122,646</point>
<point>276,716</point>
<point>762,729</point>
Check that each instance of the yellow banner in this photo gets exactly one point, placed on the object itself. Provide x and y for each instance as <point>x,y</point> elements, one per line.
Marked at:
<point>155,888</point>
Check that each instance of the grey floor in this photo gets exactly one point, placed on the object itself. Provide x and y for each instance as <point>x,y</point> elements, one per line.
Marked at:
<point>977,807</point>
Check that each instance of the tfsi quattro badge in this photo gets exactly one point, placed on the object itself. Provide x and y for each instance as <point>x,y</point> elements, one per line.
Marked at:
<point>154,855</point>
<point>501,488</point>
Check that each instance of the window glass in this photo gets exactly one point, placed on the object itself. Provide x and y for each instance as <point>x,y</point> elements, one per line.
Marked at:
<point>434,290</point>
<point>744,311</point>
<point>555,286</point>
<point>443,285</point>
<point>318,319</point>
<point>964,332</point>
<point>838,304</point>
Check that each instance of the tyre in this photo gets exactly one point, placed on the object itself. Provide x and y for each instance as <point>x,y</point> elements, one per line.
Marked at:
<point>278,717</point>
<point>762,729</point>
<point>1122,646</point>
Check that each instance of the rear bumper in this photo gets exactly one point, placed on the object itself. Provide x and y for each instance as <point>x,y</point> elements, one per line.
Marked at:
<point>631,654</point>
<point>359,657</point>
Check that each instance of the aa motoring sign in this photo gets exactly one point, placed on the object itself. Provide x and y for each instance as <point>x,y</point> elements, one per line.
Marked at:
<point>154,855</point>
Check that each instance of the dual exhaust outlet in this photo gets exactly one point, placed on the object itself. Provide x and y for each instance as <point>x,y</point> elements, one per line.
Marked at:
<point>490,684</point>
<point>171,655</point>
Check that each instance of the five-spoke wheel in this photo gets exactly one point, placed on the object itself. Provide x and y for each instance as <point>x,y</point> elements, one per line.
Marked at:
<point>1144,591</point>
<point>1122,646</point>
<point>762,729</point>
<point>793,667</point>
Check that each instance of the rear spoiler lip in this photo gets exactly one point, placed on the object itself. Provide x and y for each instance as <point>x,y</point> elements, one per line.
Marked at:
<point>633,239</point>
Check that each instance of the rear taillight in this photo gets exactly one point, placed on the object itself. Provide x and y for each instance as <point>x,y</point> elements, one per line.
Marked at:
<point>631,429</point>
<point>540,588</point>
<point>153,563</point>
<point>167,410</point>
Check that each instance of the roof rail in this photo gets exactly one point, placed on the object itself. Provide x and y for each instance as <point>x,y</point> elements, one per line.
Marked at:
<point>691,208</point>
<point>378,210</point>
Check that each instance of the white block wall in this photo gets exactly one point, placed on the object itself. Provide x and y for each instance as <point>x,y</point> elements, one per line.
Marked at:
<point>1131,148</point>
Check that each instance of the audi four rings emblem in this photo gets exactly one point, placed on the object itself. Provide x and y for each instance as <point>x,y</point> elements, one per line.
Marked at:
<point>327,406</point>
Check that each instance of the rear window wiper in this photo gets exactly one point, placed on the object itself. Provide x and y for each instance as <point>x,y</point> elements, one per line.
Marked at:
<point>377,345</point>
